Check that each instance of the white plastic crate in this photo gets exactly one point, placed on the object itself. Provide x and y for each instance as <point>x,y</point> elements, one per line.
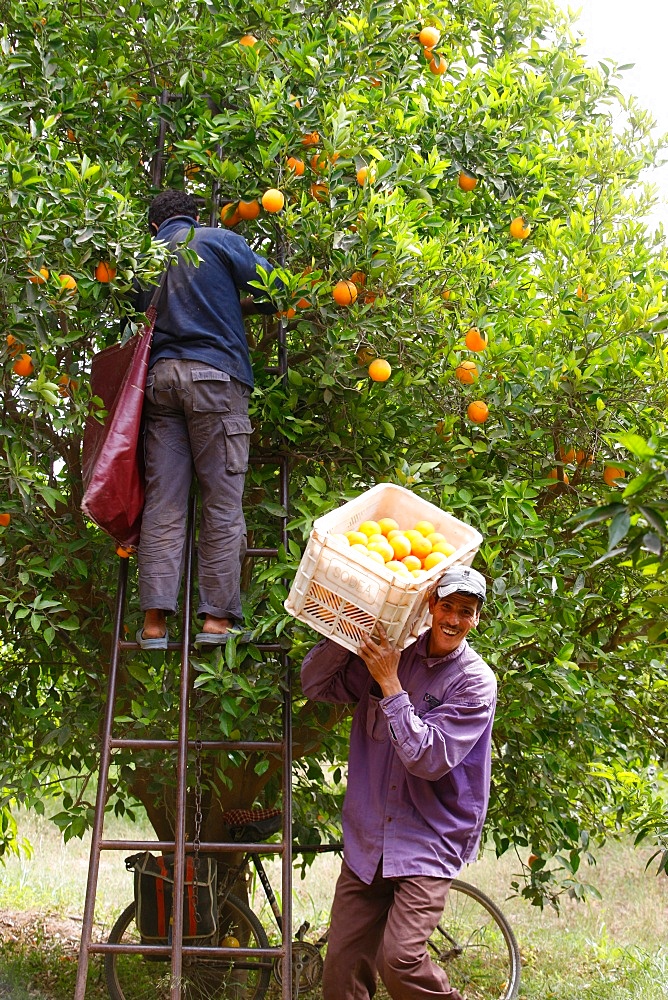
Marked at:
<point>342,595</point>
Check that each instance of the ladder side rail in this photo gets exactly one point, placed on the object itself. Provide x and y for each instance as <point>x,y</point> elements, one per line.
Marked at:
<point>182,760</point>
<point>103,778</point>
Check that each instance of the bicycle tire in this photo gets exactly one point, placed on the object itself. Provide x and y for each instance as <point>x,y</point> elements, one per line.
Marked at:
<point>475,945</point>
<point>138,977</point>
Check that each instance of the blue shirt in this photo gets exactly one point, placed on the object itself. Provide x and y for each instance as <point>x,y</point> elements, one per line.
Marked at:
<point>199,313</point>
<point>420,761</point>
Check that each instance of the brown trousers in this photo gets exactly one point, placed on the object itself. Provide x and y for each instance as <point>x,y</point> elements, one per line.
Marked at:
<point>382,929</point>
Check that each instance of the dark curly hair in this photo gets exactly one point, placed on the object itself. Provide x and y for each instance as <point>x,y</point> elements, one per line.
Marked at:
<point>169,203</point>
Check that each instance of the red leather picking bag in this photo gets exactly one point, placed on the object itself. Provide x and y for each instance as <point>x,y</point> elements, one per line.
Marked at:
<point>112,459</point>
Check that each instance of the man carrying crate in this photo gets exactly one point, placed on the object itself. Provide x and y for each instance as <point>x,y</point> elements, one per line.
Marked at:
<point>417,794</point>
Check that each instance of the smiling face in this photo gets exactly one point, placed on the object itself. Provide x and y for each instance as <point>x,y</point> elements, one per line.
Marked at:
<point>453,617</point>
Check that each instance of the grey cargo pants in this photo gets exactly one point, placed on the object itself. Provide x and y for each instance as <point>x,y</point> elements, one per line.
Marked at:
<point>196,422</point>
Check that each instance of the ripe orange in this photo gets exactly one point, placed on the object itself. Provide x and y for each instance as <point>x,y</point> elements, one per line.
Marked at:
<point>375,556</point>
<point>318,162</point>
<point>420,546</point>
<point>519,228</point>
<point>104,272</point>
<point>401,546</point>
<point>14,346</point>
<point>23,365</point>
<point>554,474</point>
<point>466,372</point>
<point>398,567</point>
<point>67,283</point>
<point>229,214</point>
<point>475,339</point>
<point>296,165</point>
<point>273,200</point>
<point>445,547</point>
<point>435,537</point>
<point>230,942</point>
<point>288,313</point>
<point>581,294</point>
<point>319,191</point>
<point>383,548</point>
<point>303,303</point>
<point>532,859</point>
<point>412,562</point>
<point>466,180</point>
<point>365,174</point>
<point>192,171</point>
<point>429,36</point>
<point>438,67</point>
<point>369,528</point>
<point>344,293</point>
<point>478,411</point>
<point>71,137</point>
<point>310,139</point>
<point>387,524</point>
<point>356,537</point>
<point>611,473</point>
<point>249,209</point>
<point>433,559</point>
<point>123,552</point>
<point>567,456</point>
<point>358,278</point>
<point>248,40</point>
<point>425,528</point>
<point>67,385</point>
<point>5,518</point>
<point>41,277</point>
<point>379,370</point>
<point>583,458</point>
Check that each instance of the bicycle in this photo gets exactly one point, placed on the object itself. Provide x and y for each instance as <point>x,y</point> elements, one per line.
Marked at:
<point>473,942</point>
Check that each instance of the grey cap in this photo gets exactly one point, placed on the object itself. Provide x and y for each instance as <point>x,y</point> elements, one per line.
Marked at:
<point>462,580</point>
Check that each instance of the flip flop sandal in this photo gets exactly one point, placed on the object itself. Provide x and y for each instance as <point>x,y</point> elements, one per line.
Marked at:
<point>159,643</point>
<point>211,639</point>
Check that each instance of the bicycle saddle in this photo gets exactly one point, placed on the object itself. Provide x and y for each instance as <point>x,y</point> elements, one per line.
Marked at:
<point>252,825</point>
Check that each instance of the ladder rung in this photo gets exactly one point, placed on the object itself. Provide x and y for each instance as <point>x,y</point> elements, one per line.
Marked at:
<point>188,949</point>
<point>210,848</point>
<point>261,552</point>
<point>128,744</point>
<point>268,459</point>
<point>268,647</point>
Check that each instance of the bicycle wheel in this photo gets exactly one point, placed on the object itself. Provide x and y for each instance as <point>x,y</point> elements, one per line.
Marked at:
<point>475,946</point>
<point>138,977</point>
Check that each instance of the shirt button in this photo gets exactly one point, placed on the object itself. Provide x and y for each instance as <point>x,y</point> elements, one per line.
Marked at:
<point>389,819</point>
<point>393,788</point>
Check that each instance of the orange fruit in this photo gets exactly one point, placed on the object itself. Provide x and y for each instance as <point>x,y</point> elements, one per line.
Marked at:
<point>67,385</point>
<point>14,346</point>
<point>429,36</point>
<point>438,67</point>
<point>192,171</point>
<point>318,162</point>
<point>230,942</point>
<point>319,191</point>
<point>248,40</point>
<point>296,165</point>
<point>360,549</point>
<point>344,292</point>
<point>412,562</point>
<point>387,524</point>
<point>445,547</point>
<point>303,303</point>
<point>425,528</point>
<point>554,474</point>
<point>40,277</point>
<point>384,548</point>
<point>369,528</point>
<point>356,537</point>
<point>401,546</point>
<point>379,370</point>
<point>358,278</point>
<point>104,272</point>
<point>375,556</point>
<point>433,559</point>
<point>420,546</point>
<point>583,458</point>
<point>229,214</point>
<point>365,174</point>
<point>249,209</point>
<point>23,365</point>
<point>475,340</point>
<point>466,180</point>
<point>5,518</point>
<point>71,137</point>
<point>288,313</point>
<point>532,859</point>
<point>436,536</point>
<point>419,574</point>
<point>581,294</point>
<point>567,456</point>
<point>466,372</point>
<point>398,567</point>
<point>478,411</point>
<point>67,283</point>
<point>519,228</point>
<point>273,200</point>
<point>340,538</point>
<point>310,139</point>
<point>611,473</point>
<point>123,552</point>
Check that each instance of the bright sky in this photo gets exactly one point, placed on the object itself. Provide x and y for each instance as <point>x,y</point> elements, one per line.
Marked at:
<point>632,31</point>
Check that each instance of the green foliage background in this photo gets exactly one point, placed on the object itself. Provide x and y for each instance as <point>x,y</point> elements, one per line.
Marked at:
<point>92,105</point>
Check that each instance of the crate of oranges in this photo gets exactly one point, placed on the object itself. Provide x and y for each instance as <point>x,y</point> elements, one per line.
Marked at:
<point>375,559</point>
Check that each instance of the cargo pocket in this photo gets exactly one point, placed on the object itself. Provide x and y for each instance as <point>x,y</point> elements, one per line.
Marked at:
<point>376,722</point>
<point>210,390</point>
<point>237,438</point>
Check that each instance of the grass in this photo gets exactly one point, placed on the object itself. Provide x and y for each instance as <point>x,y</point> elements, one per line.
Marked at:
<point>612,949</point>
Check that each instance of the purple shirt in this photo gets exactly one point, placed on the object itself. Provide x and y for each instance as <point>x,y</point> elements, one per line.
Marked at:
<point>419,764</point>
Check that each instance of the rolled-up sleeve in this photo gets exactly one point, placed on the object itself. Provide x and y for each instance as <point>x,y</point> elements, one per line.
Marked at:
<point>431,746</point>
<point>331,673</point>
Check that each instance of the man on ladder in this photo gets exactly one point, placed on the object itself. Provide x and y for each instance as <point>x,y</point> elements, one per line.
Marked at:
<point>196,418</point>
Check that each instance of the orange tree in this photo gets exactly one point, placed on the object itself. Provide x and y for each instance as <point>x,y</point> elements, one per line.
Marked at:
<point>373,144</point>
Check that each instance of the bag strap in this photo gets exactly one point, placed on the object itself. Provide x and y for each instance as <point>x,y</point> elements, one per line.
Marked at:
<point>152,311</point>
